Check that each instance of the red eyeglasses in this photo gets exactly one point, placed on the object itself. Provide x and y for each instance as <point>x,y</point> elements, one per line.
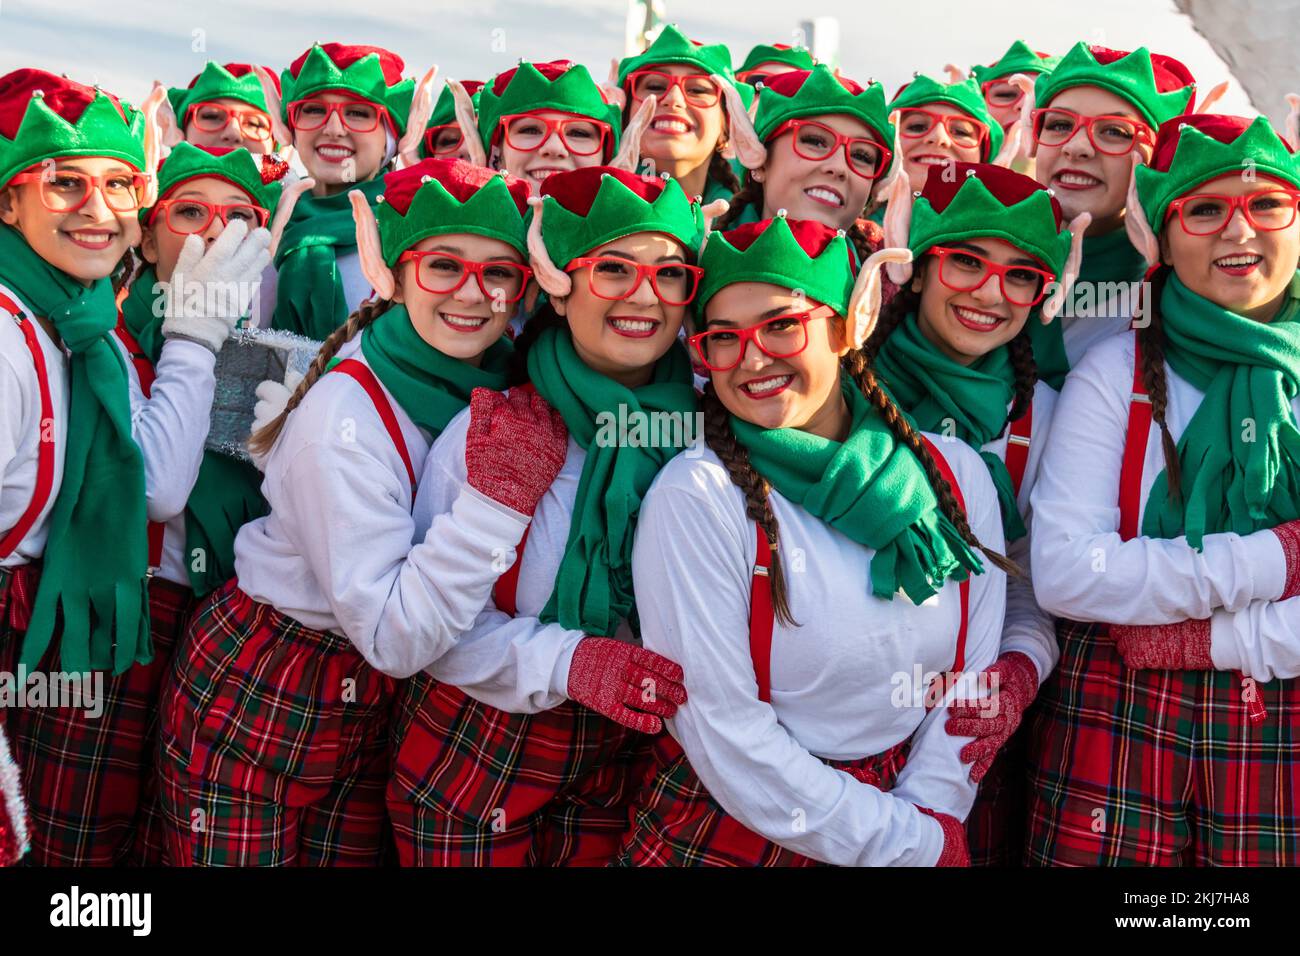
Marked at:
<point>214,117</point>
<point>1001,93</point>
<point>443,273</point>
<point>697,89</point>
<point>962,130</point>
<point>1205,214</point>
<point>964,271</point>
<point>780,337</point>
<point>186,217</point>
<point>443,140</point>
<point>1109,134</point>
<point>817,141</point>
<point>357,116</point>
<point>67,190</point>
<point>674,283</point>
<point>527,133</point>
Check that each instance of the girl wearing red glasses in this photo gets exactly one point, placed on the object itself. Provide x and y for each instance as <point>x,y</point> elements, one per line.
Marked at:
<point>443,138</point>
<point>1002,96</point>
<point>1095,115</point>
<point>92,460</point>
<point>518,746</point>
<point>223,106</point>
<point>1166,508</point>
<point>275,717</point>
<point>953,349</point>
<point>940,124</point>
<point>814,568</point>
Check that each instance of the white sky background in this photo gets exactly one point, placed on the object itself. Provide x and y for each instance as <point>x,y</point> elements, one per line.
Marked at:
<point>125,44</point>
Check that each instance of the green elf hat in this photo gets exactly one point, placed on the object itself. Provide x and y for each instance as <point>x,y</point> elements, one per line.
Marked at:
<point>791,253</point>
<point>43,116</point>
<point>817,92</point>
<point>977,200</point>
<point>1019,58</point>
<point>440,197</point>
<point>966,96</point>
<point>673,46</point>
<point>234,81</point>
<point>560,85</point>
<point>260,179</point>
<point>1192,150</point>
<point>444,111</point>
<point>369,72</point>
<point>796,57</point>
<point>1158,86</point>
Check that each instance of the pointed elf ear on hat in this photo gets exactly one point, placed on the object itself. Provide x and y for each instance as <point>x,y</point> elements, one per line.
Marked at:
<point>554,282</point>
<point>408,147</point>
<point>610,89</point>
<point>898,226</point>
<point>955,73</point>
<point>1213,97</point>
<point>1070,273</point>
<point>1018,133</point>
<point>741,134</point>
<point>628,156</point>
<point>369,248</point>
<point>284,209</point>
<point>168,122</point>
<point>1292,125</point>
<point>467,120</point>
<point>864,302</point>
<point>153,140</point>
<point>1139,230</point>
<point>712,211</point>
<point>274,106</point>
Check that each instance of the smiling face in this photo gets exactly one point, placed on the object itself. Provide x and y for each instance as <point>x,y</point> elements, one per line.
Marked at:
<point>623,338</point>
<point>1084,178</point>
<point>824,190</point>
<point>88,243</point>
<point>1243,269</point>
<point>234,132</point>
<point>682,135</point>
<point>335,156</point>
<point>161,245</point>
<point>465,323</point>
<point>801,391</point>
<point>553,155</point>
<point>934,147</point>
<point>967,325</point>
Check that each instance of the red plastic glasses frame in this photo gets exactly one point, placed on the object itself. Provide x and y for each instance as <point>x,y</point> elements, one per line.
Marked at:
<point>1001,81</point>
<point>992,269</point>
<point>672,79</point>
<point>139,184</point>
<point>213,210</point>
<point>752,333</point>
<point>471,267</point>
<point>261,133</point>
<point>431,139</point>
<point>295,114</point>
<point>844,142</point>
<point>947,119</point>
<point>642,273</point>
<point>1234,203</point>
<point>1142,132</point>
<point>553,126</point>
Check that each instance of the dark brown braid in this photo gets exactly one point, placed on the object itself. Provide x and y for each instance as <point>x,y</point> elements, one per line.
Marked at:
<point>892,315</point>
<point>125,271</point>
<point>751,194</point>
<point>856,364</point>
<point>1152,340</point>
<point>758,506</point>
<point>544,318</point>
<point>261,442</point>
<point>720,172</point>
<point>864,245</point>
<point>1026,372</point>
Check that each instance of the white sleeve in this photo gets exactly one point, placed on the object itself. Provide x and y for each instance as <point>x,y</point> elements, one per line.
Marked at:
<point>749,763</point>
<point>172,424</point>
<point>1262,641</point>
<point>1082,569</point>
<point>934,775</point>
<point>1029,629</point>
<point>15,405</point>
<point>402,606</point>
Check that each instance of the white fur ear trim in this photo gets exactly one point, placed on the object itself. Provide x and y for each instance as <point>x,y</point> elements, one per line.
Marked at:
<point>955,73</point>
<point>741,134</point>
<point>712,211</point>
<point>467,120</point>
<point>408,147</point>
<point>1070,273</point>
<point>898,226</point>
<point>1213,97</point>
<point>1139,230</point>
<point>369,247</point>
<point>628,157</point>
<point>284,209</point>
<point>612,92</point>
<point>864,303</point>
<point>1292,124</point>
<point>554,281</point>
<point>274,107</point>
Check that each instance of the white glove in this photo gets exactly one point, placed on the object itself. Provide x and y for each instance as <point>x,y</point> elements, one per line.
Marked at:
<point>272,397</point>
<point>213,285</point>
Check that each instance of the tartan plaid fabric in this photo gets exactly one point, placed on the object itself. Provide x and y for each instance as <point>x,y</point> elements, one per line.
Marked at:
<point>475,786</point>
<point>995,829</point>
<point>17,591</point>
<point>87,774</point>
<point>274,742</point>
<point>676,823</point>
<point>1159,768</point>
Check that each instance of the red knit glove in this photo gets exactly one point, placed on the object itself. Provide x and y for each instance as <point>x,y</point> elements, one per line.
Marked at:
<point>956,852</point>
<point>1289,535</point>
<point>626,683</point>
<point>515,446</point>
<point>1013,681</point>
<point>1184,646</point>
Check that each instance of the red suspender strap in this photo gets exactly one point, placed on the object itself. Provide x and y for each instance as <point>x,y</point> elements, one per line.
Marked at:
<point>361,373</point>
<point>761,617</point>
<point>1018,447</point>
<point>145,370</point>
<point>503,595</point>
<point>959,659</point>
<point>45,441</point>
<point>1135,450</point>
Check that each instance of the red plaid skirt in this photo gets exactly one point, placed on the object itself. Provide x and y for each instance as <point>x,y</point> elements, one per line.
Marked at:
<point>475,786</point>
<point>675,822</point>
<point>274,742</point>
<point>995,829</point>
<point>1159,768</point>
<point>87,770</point>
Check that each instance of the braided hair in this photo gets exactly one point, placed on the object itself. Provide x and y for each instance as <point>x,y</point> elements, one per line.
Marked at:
<point>1151,338</point>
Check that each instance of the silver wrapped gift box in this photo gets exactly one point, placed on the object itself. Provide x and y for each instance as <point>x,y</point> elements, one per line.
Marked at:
<point>250,357</point>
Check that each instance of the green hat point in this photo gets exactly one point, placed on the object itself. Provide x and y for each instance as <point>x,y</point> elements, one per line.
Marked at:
<point>236,166</point>
<point>1131,77</point>
<point>798,57</point>
<point>673,46</point>
<point>966,96</point>
<point>820,94</point>
<point>1019,58</point>
<point>530,90</point>
<point>217,83</point>
<point>363,78</point>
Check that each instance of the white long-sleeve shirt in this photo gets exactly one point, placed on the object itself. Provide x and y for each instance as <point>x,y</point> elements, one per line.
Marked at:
<point>841,683</point>
<point>1083,571</point>
<point>335,553</point>
<point>1096,320</point>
